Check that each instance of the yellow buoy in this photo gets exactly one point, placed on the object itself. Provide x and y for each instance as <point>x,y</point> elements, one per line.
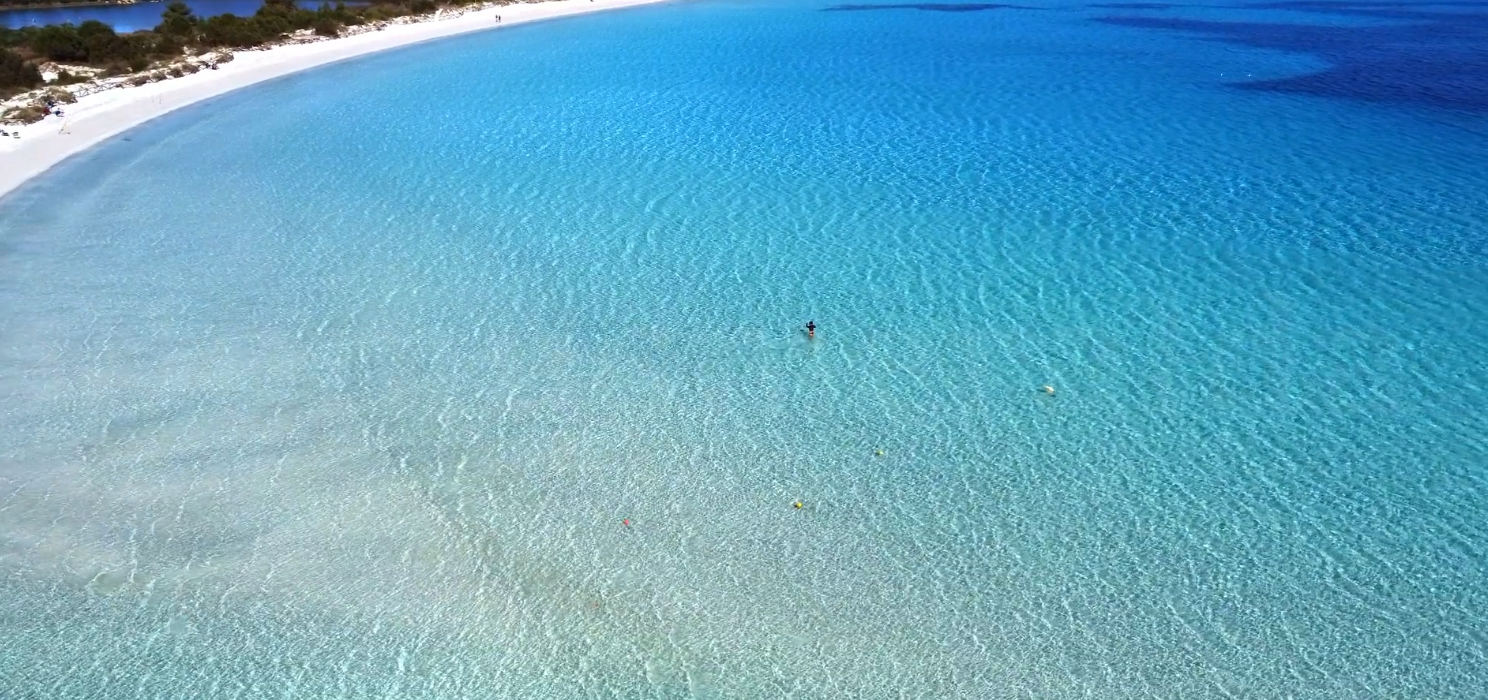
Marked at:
<point>798,504</point>
<point>1048,390</point>
<point>878,453</point>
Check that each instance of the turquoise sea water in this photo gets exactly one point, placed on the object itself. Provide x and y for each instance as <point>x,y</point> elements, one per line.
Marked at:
<point>341,386</point>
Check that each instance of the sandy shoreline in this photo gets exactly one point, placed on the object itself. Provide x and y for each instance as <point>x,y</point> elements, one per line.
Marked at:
<point>99,116</point>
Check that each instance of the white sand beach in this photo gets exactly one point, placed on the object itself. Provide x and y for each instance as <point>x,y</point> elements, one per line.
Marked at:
<point>100,115</point>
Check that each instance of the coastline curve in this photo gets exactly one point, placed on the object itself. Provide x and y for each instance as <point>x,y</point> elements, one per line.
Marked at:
<point>100,116</point>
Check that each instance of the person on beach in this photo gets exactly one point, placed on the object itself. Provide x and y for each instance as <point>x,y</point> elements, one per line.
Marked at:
<point>811,329</point>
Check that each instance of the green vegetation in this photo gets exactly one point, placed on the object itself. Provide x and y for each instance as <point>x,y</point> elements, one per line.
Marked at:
<point>37,4</point>
<point>16,73</point>
<point>95,44</point>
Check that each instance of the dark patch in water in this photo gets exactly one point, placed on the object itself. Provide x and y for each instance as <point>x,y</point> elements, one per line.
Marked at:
<point>1344,6</point>
<point>1133,6</point>
<point>928,7</point>
<point>1377,10</point>
<point>1435,58</point>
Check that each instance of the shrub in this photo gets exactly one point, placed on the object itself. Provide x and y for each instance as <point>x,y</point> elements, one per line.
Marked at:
<point>231,30</point>
<point>59,42</point>
<point>26,114</point>
<point>328,27</point>
<point>17,73</point>
<point>66,78</point>
<point>59,96</point>
<point>169,45</point>
<point>270,27</point>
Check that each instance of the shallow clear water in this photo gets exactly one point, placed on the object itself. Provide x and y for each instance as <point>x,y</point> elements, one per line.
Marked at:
<point>342,385</point>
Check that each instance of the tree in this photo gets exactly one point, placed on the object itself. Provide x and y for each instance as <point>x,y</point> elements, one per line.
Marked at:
<point>177,21</point>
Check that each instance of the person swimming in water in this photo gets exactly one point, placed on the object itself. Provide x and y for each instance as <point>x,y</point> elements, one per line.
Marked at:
<point>811,329</point>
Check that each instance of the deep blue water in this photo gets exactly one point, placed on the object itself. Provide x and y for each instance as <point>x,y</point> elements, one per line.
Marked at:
<point>129,18</point>
<point>342,385</point>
